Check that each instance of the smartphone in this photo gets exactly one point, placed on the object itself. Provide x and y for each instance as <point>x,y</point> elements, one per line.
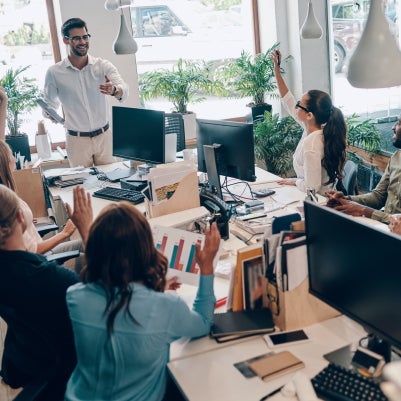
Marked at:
<point>278,58</point>
<point>285,338</point>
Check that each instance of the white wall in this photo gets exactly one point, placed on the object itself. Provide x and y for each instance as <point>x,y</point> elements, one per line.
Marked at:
<point>103,25</point>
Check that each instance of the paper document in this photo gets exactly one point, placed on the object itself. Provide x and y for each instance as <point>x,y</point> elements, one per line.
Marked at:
<point>178,246</point>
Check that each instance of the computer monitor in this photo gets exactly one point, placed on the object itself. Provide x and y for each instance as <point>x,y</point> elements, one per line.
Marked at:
<point>234,148</point>
<point>354,268</point>
<point>138,134</point>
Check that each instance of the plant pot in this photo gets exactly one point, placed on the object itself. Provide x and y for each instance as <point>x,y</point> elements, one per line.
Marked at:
<point>19,144</point>
<point>189,126</point>
<point>258,111</point>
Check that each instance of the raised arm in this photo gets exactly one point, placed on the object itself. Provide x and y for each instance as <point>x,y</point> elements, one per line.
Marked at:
<point>282,86</point>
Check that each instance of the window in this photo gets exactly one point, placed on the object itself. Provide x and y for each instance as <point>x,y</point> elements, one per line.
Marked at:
<point>348,21</point>
<point>25,40</point>
<point>212,31</point>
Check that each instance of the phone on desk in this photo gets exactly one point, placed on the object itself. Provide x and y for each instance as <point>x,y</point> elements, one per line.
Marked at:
<point>285,338</point>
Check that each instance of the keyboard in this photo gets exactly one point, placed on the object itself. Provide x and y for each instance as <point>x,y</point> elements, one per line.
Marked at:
<point>119,194</point>
<point>336,383</point>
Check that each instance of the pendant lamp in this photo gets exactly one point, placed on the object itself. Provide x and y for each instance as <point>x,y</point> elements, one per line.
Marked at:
<point>376,62</point>
<point>311,28</point>
<point>124,43</point>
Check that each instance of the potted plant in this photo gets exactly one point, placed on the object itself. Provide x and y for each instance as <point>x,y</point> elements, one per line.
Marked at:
<point>275,142</point>
<point>252,76</point>
<point>22,94</point>
<point>185,83</point>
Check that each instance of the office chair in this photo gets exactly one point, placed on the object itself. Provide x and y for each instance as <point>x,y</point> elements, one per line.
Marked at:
<point>17,332</point>
<point>174,124</point>
<point>350,180</point>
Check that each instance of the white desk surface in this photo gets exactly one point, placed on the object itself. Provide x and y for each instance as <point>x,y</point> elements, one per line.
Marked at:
<point>212,376</point>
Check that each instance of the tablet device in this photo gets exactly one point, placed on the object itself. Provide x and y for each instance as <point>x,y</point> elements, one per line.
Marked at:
<point>49,110</point>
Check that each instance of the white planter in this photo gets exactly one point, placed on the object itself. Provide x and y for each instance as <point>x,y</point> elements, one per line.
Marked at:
<point>189,125</point>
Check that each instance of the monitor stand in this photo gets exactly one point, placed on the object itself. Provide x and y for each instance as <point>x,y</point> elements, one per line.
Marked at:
<point>213,175</point>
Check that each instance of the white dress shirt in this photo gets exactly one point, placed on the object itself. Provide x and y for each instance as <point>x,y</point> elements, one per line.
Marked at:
<point>85,108</point>
<point>308,156</point>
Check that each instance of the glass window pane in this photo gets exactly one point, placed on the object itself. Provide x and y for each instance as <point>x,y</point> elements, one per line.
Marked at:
<point>25,40</point>
<point>209,30</point>
<point>348,21</point>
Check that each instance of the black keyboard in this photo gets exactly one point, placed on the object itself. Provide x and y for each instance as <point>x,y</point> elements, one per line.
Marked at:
<point>119,194</point>
<point>335,383</point>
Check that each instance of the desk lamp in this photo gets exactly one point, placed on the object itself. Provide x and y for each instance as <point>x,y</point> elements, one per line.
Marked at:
<point>376,62</point>
<point>124,43</point>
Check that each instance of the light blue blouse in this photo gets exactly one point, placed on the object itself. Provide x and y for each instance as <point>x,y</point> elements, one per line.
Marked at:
<point>131,365</point>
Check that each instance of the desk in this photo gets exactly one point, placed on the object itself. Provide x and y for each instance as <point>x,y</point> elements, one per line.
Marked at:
<point>210,375</point>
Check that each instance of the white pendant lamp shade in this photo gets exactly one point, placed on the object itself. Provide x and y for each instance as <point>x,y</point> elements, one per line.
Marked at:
<point>124,43</point>
<point>376,62</point>
<point>311,28</point>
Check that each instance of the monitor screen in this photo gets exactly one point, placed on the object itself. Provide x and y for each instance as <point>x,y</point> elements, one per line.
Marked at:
<point>138,134</point>
<point>235,157</point>
<point>355,268</point>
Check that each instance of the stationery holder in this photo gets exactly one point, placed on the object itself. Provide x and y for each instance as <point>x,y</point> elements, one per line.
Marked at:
<point>297,308</point>
<point>186,196</point>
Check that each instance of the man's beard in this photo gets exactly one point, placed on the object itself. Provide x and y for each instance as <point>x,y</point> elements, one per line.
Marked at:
<point>79,53</point>
<point>397,143</point>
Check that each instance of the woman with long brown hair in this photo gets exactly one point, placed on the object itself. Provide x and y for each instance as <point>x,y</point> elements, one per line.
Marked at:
<point>122,320</point>
<point>319,158</point>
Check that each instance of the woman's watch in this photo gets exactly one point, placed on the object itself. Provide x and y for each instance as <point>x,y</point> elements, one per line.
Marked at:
<point>115,92</point>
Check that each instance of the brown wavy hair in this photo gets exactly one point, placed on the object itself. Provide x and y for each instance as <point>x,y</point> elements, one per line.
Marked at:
<point>6,175</point>
<point>120,250</point>
<point>334,132</point>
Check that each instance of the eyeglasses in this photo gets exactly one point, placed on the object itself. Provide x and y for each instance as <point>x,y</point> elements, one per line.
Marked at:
<point>299,106</point>
<point>76,39</point>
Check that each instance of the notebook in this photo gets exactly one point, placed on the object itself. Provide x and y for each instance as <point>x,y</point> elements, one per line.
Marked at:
<point>232,325</point>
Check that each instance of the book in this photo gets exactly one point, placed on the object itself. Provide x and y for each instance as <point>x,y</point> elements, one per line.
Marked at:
<point>242,323</point>
<point>245,253</point>
<point>66,174</point>
<point>272,366</point>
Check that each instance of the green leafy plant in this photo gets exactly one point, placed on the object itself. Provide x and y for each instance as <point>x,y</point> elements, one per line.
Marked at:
<point>186,83</point>
<point>22,94</point>
<point>363,134</point>
<point>275,142</point>
<point>252,76</point>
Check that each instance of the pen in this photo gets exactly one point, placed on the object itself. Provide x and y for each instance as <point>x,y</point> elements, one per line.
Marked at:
<point>221,302</point>
<point>277,390</point>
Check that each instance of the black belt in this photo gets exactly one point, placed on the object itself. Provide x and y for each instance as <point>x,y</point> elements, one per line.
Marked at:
<point>90,134</point>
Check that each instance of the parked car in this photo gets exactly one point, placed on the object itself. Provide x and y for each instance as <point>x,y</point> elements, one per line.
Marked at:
<point>167,30</point>
<point>349,18</point>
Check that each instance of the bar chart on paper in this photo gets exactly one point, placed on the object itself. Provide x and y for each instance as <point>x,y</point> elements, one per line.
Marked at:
<point>179,248</point>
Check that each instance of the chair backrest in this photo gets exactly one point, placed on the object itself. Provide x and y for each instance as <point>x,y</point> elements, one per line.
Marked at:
<point>350,180</point>
<point>174,124</point>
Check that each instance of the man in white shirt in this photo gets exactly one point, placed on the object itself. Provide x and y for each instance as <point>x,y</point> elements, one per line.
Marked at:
<point>80,83</point>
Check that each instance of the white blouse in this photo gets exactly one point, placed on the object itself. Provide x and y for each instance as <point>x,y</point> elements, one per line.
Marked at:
<point>308,156</point>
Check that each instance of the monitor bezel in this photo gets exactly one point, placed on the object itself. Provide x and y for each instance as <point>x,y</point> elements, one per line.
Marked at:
<point>249,174</point>
<point>364,227</point>
<point>135,111</point>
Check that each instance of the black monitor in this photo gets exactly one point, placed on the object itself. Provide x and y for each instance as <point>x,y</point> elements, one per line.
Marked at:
<point>138,134</point>
<point>354,268</point>
<point>234,148</point>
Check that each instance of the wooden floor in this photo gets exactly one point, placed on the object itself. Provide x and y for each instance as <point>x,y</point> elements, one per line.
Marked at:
<point>6,393</point>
